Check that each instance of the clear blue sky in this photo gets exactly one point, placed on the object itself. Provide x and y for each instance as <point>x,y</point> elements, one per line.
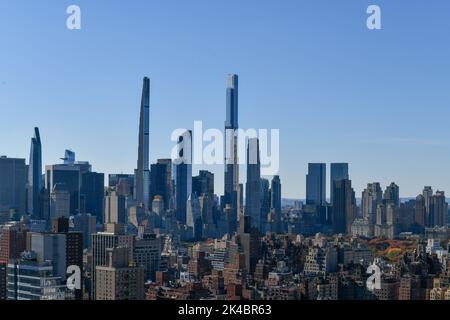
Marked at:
<point>379,100</point>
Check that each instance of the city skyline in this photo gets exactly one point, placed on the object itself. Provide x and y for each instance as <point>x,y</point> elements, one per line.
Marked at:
<point>323,40</point>
<point>227,152</point>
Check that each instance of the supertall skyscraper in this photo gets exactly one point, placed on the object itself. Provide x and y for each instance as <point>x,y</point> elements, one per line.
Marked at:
<point>143,172</point>
<point>35,175</point>
<point>253,185</point>
<point>231,188</point>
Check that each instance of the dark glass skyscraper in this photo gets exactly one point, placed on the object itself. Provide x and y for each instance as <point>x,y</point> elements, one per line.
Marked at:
<point>253,185</point>
<point>316,184</point>
<point>275,204</point>
<point>35,175</point>
<point>183,175</point>
<point>93,191</point>
<point>161,181</point>
<point>343,205</point>
<point>142,171</point>
<point>338,171</point>
<point>231,188</point>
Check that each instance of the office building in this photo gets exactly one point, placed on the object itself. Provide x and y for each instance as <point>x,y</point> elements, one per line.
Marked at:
<point>119,278</point>
<point>344,206</point>
<point>316,184</point>
<point>29,279</point>
<point>35,176</point>
<point>115,208</point>
<point>338,171</point>
<point>161,181</point>
<point>13,180</point>
<point>92,191</point>
<point>147,254</point>
<point>59,201</point>
<point>70,177</point>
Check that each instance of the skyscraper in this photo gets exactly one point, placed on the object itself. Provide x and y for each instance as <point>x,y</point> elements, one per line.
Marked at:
<point>338,171</point>
<point>392,194</point>
<point>275,204</point>
<point>231,188</point>
<point>253,185</point>
<point>316,184</point>
<point>343,205</point>
<point>115,211</point>
<point>142,171</point>
<point>371,197</point>
<point>70,177</point>
<point>438,210</point>
<point>183,175</point>
<point>13,185</point>
<point>161,181</point>
<point>35,175</point>
<point>93,191</point>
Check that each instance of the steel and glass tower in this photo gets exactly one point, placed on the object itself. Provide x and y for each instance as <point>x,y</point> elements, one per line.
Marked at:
<point>35,175</point>
<point>231,188</point>
<point>142,172</point>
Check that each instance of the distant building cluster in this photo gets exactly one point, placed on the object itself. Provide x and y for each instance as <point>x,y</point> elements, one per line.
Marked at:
<point>162,233</point>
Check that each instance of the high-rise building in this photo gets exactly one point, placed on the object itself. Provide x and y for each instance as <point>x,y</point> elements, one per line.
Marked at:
<point>85,223</point>
<point>30,279</point>
<point>203,183</point>
<point>253,185</point>
<point>35,175</point>
<point>438,210</point>
<point>59,201</point>
<point>13,179</point>
<point>115,210</point>
<point>371,197</point>
<point>183,175</point>
<point>3,273</point>
<point>122,183</point>
<point>231,179</point>
<point>70,176</point>
<point>265,204</point>
<point>275,204</point>
<point>338,171</point>
<point>142,174</point>
<point>13,237</point>
<point>427,194</point>
<point>248,240</point>
<point>93,190</point>
<point>161,181</point>
<point>386,221</point>
<point>344,206</point>
<point>119,279</point>
<point>420,211</point>
<point>316,184</point>
<point>194,216</point>
<point>51,247</point>
<point>147,254</point>
<point>114,237</point>
<point>392,194</point>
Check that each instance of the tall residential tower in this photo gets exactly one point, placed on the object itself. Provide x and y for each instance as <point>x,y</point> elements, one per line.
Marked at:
<point>143,172</point>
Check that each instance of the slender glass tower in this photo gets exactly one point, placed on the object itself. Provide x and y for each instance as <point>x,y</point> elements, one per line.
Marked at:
<point>142,172</point>
<point>231,188</point>
<point>35,175</point>
<point>253,185</point>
